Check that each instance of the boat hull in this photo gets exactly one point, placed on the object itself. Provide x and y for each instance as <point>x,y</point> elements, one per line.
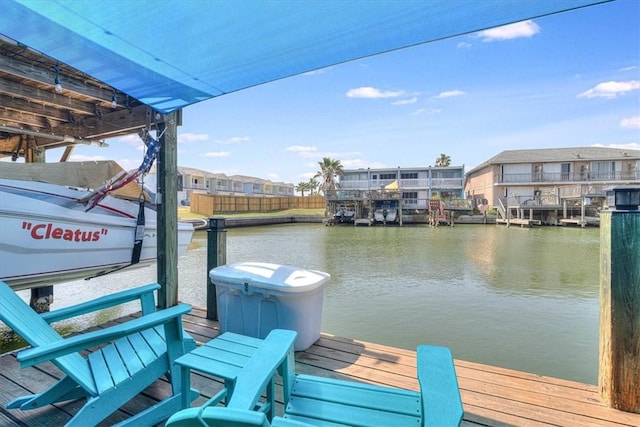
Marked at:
<point>46,237</point>
<point>385,215</point>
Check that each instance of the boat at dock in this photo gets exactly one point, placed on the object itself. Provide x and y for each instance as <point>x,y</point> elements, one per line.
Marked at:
<point>386,213</point>
<point>48,236</point>
<point>344,214</point>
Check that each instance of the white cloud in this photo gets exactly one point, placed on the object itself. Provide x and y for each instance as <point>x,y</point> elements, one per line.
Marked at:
<point>299,148</point>
<point>217,154</point>
<point>610,89</point>
<point>318,71</point>
<point>630,122</point>
<point>450,94</point>
<point>373,93</point>
<point>192,137</point>
<point>406,101</point>
<point>630,68</point>
<point>463,45</point>
<point>233,140</point>
<point>509,32</point>
<point>629,146</point>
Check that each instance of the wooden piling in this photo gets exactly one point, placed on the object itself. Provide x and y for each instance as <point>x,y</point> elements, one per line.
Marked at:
<point>167,214</point>
<point>619,373</point>
<point>216,255</point>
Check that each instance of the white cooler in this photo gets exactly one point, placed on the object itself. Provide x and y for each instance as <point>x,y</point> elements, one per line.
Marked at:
<point>257,297</point>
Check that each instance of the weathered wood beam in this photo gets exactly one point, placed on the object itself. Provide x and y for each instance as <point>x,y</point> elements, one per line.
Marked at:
<point>22,119</point>
<point>108,125</point>
<point>21,70</point>
<point>619,370</point>
<point>167,216</point>
<point>46,97</point>
<point>22,105</point>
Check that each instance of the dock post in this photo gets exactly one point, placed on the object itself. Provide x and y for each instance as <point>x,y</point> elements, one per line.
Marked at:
<point>42,297</point>
<point>216,255</point>
<point>619,370</point>
<point>167,213</point>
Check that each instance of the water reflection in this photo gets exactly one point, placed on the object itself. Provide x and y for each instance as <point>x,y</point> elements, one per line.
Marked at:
<point>520,298</point>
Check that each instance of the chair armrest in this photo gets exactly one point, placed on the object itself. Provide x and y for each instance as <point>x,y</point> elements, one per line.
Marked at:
<point>276,349</point>
<point>87,340</point>
<point>439,391</point>
<point>217,416</point>
<point>143,293</point>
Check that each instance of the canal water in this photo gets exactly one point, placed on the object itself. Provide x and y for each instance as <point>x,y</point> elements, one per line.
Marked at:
<point>525,299</point>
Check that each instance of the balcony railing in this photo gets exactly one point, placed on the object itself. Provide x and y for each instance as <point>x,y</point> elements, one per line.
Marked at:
<point>405,184</point>
<point>567,177</point>
<point>532,201</point>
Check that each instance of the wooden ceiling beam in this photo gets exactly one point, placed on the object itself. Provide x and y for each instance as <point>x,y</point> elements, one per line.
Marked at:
<point>22,119</point>
<point>109,125</point>
<point>20,104</point>
<point>20,70</point>
<point>15,90</point>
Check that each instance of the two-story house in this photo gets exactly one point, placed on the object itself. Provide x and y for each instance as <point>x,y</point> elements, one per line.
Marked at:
<point>551,178</point>
<point>416,185</point>
<point>196,181</point>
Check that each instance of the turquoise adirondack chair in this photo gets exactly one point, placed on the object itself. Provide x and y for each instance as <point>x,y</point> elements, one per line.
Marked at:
<point>317,401</point>
<point>132,355</point>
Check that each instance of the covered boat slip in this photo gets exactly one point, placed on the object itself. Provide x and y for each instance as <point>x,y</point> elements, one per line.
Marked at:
<point>492,396</point>
<point>83,175</point>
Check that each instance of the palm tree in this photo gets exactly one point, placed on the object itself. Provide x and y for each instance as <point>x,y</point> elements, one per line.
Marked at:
<point>330,169</point>
<point>312,186</point>
<point>302,187</point>
<point>443,160</point>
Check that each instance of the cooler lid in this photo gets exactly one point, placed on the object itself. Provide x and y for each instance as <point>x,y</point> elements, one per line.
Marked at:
<point>276,277</point>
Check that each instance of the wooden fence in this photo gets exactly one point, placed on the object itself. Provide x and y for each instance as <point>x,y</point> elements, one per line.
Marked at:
<point>206,204</point>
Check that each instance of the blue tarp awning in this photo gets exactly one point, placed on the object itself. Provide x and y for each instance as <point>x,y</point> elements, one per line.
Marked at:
<point>172,53</point>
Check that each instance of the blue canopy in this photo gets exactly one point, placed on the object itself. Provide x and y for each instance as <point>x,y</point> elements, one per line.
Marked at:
<point>172,53</point>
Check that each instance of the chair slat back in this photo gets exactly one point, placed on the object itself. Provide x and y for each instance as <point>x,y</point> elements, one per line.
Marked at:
<point>24,321</point>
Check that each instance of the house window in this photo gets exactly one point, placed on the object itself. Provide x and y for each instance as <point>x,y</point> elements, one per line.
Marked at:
<point>409,195</point>
<point>537,173</point>
<point>603,171</point>
<point>409,175</point>
<point>565,169</point>
<point>388,176</point>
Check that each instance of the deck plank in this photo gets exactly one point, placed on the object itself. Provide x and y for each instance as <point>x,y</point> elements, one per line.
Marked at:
<point>492,396</point>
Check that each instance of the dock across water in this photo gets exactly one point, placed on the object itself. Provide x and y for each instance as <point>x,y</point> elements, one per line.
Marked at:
<point>492,396</point>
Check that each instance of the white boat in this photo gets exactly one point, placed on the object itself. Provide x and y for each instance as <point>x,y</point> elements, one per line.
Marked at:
<point>344,213</point>
<point>385,214</point>
<point>46,236</point>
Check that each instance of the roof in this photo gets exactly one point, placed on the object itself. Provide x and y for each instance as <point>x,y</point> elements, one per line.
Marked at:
<point>571,154</point>
<point>173,53</point>
<point>402,169</point>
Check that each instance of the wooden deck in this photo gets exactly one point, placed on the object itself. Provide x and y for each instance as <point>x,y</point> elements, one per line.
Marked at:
<point>492,396</point>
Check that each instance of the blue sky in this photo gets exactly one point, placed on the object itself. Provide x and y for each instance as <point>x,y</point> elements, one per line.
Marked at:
<point>567,80</point>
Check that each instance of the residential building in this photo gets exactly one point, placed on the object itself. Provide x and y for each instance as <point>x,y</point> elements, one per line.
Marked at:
<point>197,181</point>
<point>416,185</point>
<point>554,177</point>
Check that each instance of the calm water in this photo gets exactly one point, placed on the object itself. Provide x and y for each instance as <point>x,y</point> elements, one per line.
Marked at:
<point>519,298</point>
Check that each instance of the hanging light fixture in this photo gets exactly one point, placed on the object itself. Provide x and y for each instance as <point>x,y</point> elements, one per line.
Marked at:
<point>58,86</point>
<point>114,100</point>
